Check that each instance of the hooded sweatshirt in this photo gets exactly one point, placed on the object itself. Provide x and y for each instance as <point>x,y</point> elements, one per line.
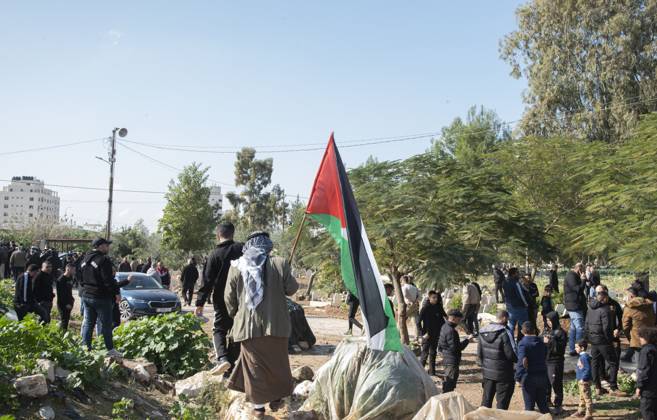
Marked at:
<point>556,347</point>
<point>600,323</point>
<point>638,313</point>
<point>496,352</point>
<point>646,372</point>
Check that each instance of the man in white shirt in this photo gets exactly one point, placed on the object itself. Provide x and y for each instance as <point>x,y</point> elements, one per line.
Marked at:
<point>412,298</point>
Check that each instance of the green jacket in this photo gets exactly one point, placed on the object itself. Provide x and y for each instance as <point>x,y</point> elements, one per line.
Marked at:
<point>270,317</point>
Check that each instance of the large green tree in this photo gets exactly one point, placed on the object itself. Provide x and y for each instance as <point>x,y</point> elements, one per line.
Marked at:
<point>591,66</point>
<point>255,206</point>
<point>131,240</point>
<point>188,219</point>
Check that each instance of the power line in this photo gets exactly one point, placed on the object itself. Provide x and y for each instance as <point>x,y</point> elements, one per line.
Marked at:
<point>78,187</point>
<point>54,146</point>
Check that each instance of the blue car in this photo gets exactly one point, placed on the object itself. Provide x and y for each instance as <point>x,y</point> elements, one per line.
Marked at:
<point>145,296</point>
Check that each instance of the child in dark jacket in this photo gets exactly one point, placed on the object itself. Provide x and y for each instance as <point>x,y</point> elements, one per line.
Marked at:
<point>546,306</point>
<point>432,318</point>
<point>556,340</point>
<point>531,370</point>
<point>451,347</point>
<point>646,373</point>
<point>584,376</point>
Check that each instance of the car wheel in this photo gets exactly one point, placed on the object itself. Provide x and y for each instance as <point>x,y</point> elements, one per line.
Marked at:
<point>125,310</point>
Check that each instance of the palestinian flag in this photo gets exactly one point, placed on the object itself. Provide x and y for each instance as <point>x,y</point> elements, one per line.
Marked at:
<point>332,204</point>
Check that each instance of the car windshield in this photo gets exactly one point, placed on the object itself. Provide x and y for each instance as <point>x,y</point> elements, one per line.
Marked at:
<point>141,281</point>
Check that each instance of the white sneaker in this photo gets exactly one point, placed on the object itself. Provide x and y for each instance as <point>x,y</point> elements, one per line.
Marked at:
<point>221,368</point>
<point>115,354</point>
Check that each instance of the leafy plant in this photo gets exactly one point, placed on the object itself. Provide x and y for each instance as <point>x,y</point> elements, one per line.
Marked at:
<point>124,410</point>
<point>626,383</point>
<point>7,293</point>
<point>184,409</point>
<point>456,302</point>
<point>174,342</point>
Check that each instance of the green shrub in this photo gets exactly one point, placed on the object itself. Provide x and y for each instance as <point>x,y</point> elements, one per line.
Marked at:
<point>184,409</point>
<point>6,293</point>
<point>174,342</point>
<point>492,309</point>
<point>456,302</point>
<point>626,383</point>
<point>124,410</point>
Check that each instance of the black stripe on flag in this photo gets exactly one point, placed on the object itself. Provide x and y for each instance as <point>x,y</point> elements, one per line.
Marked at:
<point>366,282</point>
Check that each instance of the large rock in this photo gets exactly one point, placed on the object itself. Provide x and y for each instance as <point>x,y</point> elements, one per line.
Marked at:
<point>33,386</point>
<point>303,373</point>
<point>47,367</point>
<point>192,386</point>
<point>303,415</point>
<point>46,412</point>
<point>141,375</point>
<point>302,390</point>
<point>61,373</point>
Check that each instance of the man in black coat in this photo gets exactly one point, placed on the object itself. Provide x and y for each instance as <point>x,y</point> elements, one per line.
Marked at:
<point>214,283</point>
<point>556,340</point>
<point>498,280</point>
<point>188,278</point>
<point>43,288</point>
<point>24,301</point>
<point>602,331</point>
<point>575,302</point>
<point>432,318</point>
<point>554,279</point>
<point>65,298</point>
<point>497,357</point>
<point>451,346</point>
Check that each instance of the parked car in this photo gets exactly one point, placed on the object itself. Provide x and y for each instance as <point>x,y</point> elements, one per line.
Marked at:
<point>145,296</point>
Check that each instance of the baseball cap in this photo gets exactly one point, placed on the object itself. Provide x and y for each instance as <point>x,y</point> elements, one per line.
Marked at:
<point>100,241</point>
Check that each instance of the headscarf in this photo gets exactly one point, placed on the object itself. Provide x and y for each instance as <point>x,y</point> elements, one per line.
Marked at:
<point>255,253</point>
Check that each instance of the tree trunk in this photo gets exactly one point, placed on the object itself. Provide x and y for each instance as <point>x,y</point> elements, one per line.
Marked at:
<point>310,284</point>
<point>401,308</point>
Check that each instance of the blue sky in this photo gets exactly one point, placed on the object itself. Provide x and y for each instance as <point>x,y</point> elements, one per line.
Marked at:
<point>235,74</point>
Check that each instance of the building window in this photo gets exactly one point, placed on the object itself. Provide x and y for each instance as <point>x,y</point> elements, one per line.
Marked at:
<point>31,198</point>
<point>30,215</point>
<point>31,206</point>
<point>6,206</point>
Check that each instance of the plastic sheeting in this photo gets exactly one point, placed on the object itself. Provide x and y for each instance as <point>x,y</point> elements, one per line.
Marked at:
<point>360,383</point>
<point>449,406</point>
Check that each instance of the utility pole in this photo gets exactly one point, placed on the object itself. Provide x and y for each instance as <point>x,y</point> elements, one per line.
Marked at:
<point>112,159</point>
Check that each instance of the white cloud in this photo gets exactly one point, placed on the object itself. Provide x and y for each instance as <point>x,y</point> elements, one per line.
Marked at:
<point>114,36</point>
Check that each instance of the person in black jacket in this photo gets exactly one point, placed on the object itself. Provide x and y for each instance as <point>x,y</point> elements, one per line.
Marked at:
<point>147,265</point>
<point>214,283</point>
<point>531,370</point>
<point>646,373</point>
<point>24,301</point>
<point>498,279</point>
<point>618,310</point>
<point>432,318</point>
<point>575,302</point>
<point>546,306</point>
<point>353,303</point>
<point>602,330</point>
<point>188,278</point>
<point>556,340</point>
<point>99,294</point>
<point>65,295</point>
<point>531,293</point>
<point>43,288</point>
<point>497,357</point>
<point>554,278</point>
<point>451,347</point>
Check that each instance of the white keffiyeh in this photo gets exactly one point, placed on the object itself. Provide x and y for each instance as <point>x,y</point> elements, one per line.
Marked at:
<point>251,263</point>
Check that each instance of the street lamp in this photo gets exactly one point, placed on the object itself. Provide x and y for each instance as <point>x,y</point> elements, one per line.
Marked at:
<point>112,159</point>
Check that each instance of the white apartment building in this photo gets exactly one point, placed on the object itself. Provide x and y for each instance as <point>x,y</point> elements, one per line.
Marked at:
<point>26,200</point>
<point>216,199</point>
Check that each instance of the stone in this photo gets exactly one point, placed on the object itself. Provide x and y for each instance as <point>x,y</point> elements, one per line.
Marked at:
<point>61,373</point>
<point>303,415</point>
<point>302,390</point>
<point>192,386</point>
<point>485,318</point>
<point>163,385</point>
<point>336,299</point>
<point>561,310</point>
<point>148,366</point>
<point>156,415</point>
<point>304,345</point>
<point>47,367</point>
<point>141,375</point>
<point>46,412</point>
<point>318,304</point>
<point>303,373</point>
<point>33,386</point>
<point>484,308</point>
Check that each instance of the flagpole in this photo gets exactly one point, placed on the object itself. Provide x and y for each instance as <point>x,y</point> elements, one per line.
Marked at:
<point>296,239</point>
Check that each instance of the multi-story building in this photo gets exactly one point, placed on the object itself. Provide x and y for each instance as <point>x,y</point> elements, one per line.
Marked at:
<point>216,199</point>
<point>25,201</point>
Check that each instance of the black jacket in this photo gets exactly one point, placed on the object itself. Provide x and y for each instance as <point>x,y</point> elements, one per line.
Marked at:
<point>64,291</point>
<point>554,281</point>
<point>573,292</point>
<point>600,323</point>
<point>531,293</point>
<point>43,283</point>
<point>646,372</point>
<point>432,318</point>
<point>97,279</point>
<point>216,272</point>
<point>546,306</point>
<point>498,276</point>
<point>19,293</point>
<point>124,267</point>
<point>496,354</point>
<point>189,275</point>
<point>450,344</point>
<point>556,347</point>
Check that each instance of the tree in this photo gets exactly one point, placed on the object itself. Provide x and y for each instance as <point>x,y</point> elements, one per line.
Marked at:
<point>591,66</point>
<point>254,207</point>
<point>188,218</point>
<point>131,240</point>
<point>469,141</point>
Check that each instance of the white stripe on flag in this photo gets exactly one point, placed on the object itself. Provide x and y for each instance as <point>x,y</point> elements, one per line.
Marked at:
<point>378,341</point>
